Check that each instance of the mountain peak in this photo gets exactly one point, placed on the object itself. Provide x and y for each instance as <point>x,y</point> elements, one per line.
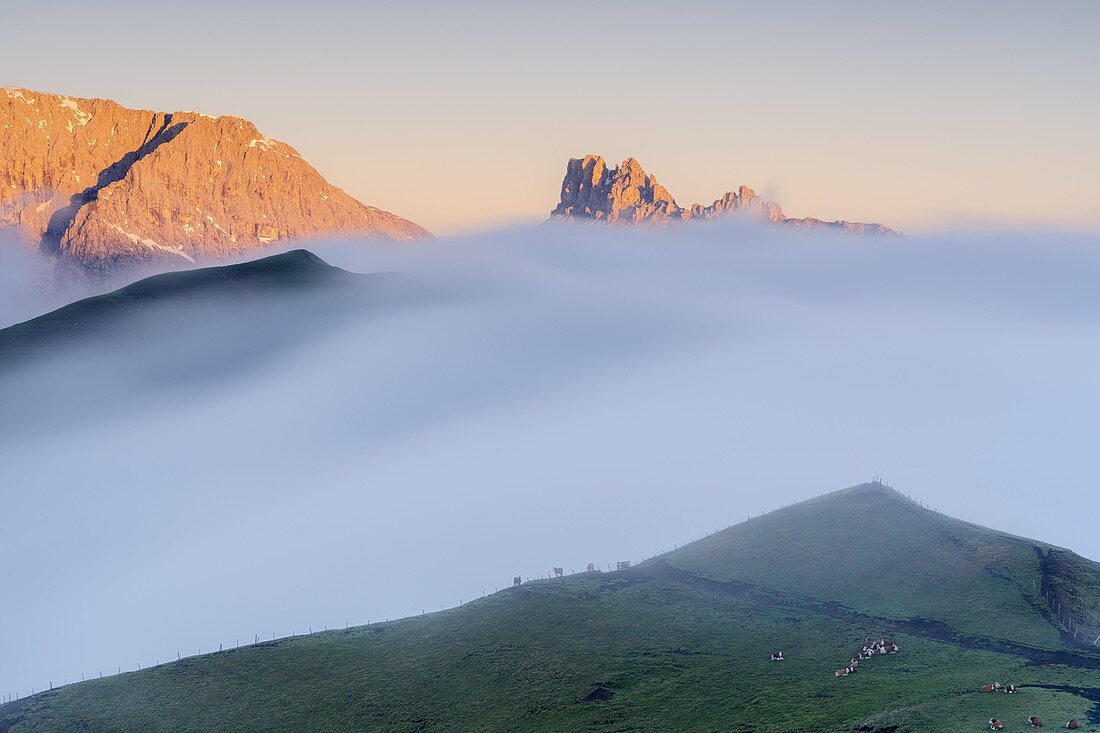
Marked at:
<point>630,195</point>
<point>627,193</point>
<point>107,187</point>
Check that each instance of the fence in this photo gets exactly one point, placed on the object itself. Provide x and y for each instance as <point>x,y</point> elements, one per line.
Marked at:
<point>1083,631</point>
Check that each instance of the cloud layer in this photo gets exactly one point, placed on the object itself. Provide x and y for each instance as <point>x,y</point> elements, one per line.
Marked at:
<point>567,395</point>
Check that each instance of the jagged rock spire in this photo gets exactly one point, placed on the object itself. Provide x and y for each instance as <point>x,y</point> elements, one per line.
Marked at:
<point>628,195</point>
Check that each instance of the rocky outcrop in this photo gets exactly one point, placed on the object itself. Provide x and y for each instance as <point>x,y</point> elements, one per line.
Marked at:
<point>628,195</point>
<point>93,182</point>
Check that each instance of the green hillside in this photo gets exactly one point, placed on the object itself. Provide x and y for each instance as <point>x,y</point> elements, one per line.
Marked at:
<point>681,643</point>
<point>869,548</point>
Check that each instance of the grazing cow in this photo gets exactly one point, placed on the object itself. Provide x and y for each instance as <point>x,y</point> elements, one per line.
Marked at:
<point>591,567</point>
<point>986,688</point>
<point>1072,725</point>
<point>1010,689</point>
<point>995,724</point>
<point>558,572</point>
<point>1034,722</point>
<point>517,580</point>
<point>777,657</point>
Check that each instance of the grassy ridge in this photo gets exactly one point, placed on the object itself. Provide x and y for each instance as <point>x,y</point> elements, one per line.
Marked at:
<point>871,549</point>
<point>657,648</point>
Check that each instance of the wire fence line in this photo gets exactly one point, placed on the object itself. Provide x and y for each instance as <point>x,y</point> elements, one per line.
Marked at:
<point>274,637</point>
<point>1083,631</point>
<point>260,639</point>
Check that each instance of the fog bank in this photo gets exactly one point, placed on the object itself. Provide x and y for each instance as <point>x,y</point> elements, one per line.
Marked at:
<point>570,395</point>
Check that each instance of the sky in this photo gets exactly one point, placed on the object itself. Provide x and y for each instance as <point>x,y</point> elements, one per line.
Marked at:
<point>460,116</point>
<point>562,396</point>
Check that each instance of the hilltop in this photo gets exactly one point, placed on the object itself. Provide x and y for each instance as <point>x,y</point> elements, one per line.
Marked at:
<point>679,643</point>
<point>593,191</point>
<point>872,549</point>
<point>107,187</point>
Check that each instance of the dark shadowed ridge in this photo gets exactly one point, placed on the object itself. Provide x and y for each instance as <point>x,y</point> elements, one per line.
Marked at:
<point>290,272</point>
<point>679,643</point>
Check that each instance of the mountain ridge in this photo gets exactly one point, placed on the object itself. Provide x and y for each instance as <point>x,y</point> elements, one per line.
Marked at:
<point>108,187</point>
<point>592,191</point>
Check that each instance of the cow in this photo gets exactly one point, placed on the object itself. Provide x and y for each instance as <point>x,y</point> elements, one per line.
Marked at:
<point>842,672</point>
<point>1034,722</point>
<point>1072,725</point>
<point>995,724</point>
<point>1010,689</point>
<point>986,688</point>
<point>517,580</point>
<point>591,567</point>
<point>558,572</point>
<point>777,657</point>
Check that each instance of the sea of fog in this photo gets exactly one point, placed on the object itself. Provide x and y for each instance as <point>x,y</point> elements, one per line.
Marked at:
<point>575,395</point>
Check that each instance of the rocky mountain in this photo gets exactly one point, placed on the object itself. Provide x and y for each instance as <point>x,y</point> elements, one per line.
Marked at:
<point>628,195</point>
<point>105,186</point>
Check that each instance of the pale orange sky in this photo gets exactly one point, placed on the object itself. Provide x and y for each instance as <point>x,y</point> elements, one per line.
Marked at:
<point>461,117</point>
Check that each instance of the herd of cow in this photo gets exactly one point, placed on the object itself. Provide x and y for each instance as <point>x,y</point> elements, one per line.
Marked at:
<point>870,648</point>
<point>995,724</point>
<point>886,646</point>
<point>1033,721</point>
<point>558,572</point>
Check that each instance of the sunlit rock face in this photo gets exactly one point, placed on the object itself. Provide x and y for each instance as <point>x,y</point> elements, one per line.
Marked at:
<point>628,195</point>
<point>105,186</point>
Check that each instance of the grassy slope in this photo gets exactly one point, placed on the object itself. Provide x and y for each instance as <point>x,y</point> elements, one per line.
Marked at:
<point>671,655</point>
<point>871,549</point>
<point>675,658</point>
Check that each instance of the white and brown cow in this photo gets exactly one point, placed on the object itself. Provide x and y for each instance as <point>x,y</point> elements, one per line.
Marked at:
<point>1034,722</point>
<point>558,572</point>
<point>995,724</point>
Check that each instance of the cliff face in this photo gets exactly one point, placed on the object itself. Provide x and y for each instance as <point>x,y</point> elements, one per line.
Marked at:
<point>105,186</point>
<point>628,195</point>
